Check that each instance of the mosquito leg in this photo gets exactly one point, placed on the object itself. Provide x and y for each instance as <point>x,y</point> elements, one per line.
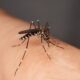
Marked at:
<point>34,25</point>
<point>19,44</point>
<point>48,43</point>
<point>27,43</point>
<point>38,23</point>
<point>15,72</point>
<point>20,63</point>
<point>41,38</point>
<point>41,42</point>
<point>48,56</point>
<point>46,52</point>
<point>55,44</point>
<point>44,48</point>
<point>24,55</point>
<point>31,24</point>
<point>22,42</point>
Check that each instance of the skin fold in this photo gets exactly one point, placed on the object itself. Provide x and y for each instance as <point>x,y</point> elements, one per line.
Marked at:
<point>54,64</point>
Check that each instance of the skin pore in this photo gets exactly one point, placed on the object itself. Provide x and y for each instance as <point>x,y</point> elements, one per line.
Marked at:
<point>54,64</point>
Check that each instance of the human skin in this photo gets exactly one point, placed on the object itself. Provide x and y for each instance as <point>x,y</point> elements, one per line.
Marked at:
<point>63,64</point>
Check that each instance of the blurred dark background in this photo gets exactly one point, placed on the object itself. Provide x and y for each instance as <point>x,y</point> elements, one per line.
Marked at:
<point>62,15</point>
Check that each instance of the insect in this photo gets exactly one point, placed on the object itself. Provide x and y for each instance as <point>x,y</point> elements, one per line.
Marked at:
<point>38,29</point>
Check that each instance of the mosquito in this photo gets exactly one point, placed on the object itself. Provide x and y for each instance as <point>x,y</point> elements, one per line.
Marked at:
<point>38,29</point>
